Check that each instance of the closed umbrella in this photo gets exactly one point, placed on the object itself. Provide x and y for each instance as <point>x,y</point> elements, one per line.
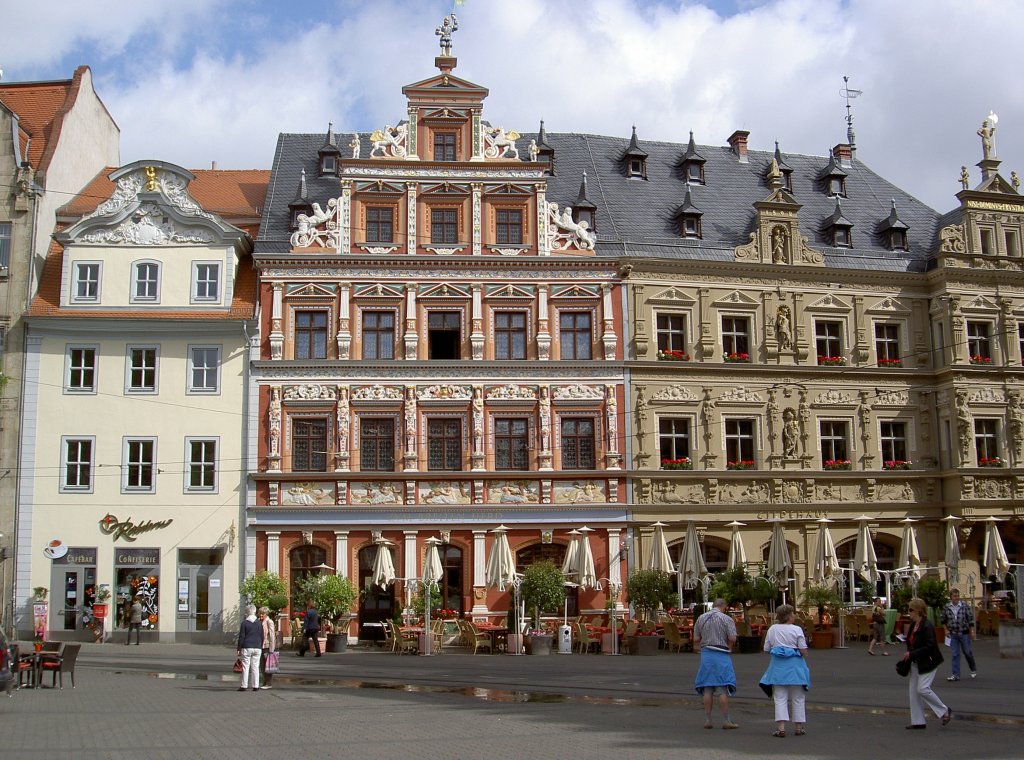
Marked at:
<point>737,554</point>
<point>996,561</point>
<point>383,565</point>
<point>432,572</point>
<point>826,562</point>
<point>501,565</point>
<point>952,561</point>
<point>865,562</point>
<point>659,558</point>
<point>569,563</point>
<point>910,557</point>
<point>586,575</point>
<point>779,563</point>
<point>691,563</point>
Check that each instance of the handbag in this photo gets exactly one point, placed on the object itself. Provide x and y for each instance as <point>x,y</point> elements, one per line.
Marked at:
<point>273,662</point>
<point>903,667</point>
<point>238,665</point>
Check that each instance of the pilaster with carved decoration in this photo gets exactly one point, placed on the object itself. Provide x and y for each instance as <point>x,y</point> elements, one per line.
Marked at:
<point>543,244</point>
<point>543,324</point>
<point>276,322</point>
<point>608,337</point>
<point>274,430</point>
<point>641,339</point>
<point>411,336</point>
<point>611,413</point>
<point>344,421</point>
<point>476,336</point>
<point>411,233</point>
<point>344,337</point>
<point>544,458</point>
<point>345,233</point>
<point>410,457</point>
<point>477,218</point>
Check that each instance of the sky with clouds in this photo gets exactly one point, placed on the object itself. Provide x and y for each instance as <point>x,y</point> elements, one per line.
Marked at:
<point>195,81</point>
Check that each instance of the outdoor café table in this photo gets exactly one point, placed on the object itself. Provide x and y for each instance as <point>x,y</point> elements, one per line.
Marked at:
<point>498,634</point>
<point>35,661</point>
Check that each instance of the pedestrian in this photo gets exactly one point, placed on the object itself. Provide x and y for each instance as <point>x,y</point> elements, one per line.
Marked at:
<point>269,646</point>
<point>713,635</point>
<point>877,627</point>
<point>958,617</point>
<point>788,676</point>
<point>310,629</point>
<point>250,646</point>
<point>134,621</point>
<point>924,657</point>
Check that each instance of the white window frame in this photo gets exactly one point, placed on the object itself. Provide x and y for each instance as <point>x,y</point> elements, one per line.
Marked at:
<point>755,420</point>
<point>849,437</point>
<point>685,316</point>
<point>997,437</point>
<point>6,243</point>
<point>751,332</point>
<point>691,420</point>
<point>989,336</point>
<point>193,389</point>
<point>127,464</point>
<point>217,268</point>
<point>65,440</point>
<point>902,337</point>
<point>78,266</point>
<point>128,389</point>
<point>134,296</point>
<point>908,436</point>
<point>843,336</point>
<point>68,367</point>
<point>190,463</point>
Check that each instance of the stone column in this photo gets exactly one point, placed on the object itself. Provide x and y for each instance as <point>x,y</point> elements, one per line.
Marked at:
<point>476,337</point>
<point>608,336</point>
<point>479,572</point>
<point>341,553</point>
<point>543,326</point>
<point>344,337</point>
<point>411,337</point>
<point>273,551</point>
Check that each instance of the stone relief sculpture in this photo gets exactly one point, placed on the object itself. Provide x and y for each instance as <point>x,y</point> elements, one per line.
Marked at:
<point>446,392</point>
<point>1016,422</point>
<point>500,144</point>
<point>790,434</point>
<point>377,393</point>
<point>953,239</point>
<point>578,391</point>
<point>274,414</point>
<point>446,492</point>
<point>640,414</point>
<point>740,394</point>
<point>564,232</point>
<point>773,420</point>
<point>309,234</point>
<point>579,492</point>
<point>991,488</point>
<point>779,245</point>
<point>804,413</point>
<point>784,329</point>
<point>892,398</point>
<point>389,142</point>
<point>344,420</point>
<point>410,425</point>
<point>512,392</point>
<point>308,494</point>
<point>478,421</point>
<point>833,397</point>
<point>675,393</point>
<point>1015,180</point>
<point>545,419</point>
<point>513,492</point>
<point>375,493</point>
<point>963,425</point>
<point>309,393</point>
<point>148,225</point>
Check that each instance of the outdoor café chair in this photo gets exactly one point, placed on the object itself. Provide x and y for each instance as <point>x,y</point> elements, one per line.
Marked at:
<point>61,663</point>
<point>583,640</point>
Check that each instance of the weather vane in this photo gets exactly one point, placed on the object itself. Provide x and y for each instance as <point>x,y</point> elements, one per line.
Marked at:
<point>448,27</point>
<point>849,94</point>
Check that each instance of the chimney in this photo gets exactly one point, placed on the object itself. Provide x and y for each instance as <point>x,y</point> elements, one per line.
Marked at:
<point>738,143</point>
<point>844,154</point>
<point>213,166</point>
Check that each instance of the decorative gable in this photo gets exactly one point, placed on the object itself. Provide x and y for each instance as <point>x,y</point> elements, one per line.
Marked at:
<point>444,290</point>
<point>311,290</point>
<point>377,290</point>
<point>889,305</point>
<point>980,303</point>
<point>737,299</point>
<point>577,291</point>
<point>674,296</point>
<point>829,302</point>
<point>510,291</point>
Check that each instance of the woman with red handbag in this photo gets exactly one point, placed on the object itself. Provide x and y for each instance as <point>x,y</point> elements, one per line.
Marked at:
<point>269,647</point>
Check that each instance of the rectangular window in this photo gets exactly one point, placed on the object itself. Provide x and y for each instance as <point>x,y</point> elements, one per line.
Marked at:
<point>142,366</point>
<point>1020,340</point>
<point>309,445</point>
<point>834,447</point>
<point>979,342</point>
<point>695,173</point>
<point>444,444</point>
<point>828,340</point>
<point>509,335</point>
<point>378,335</point>
<point>511,444</point>
<point>204,369</point>
<point>578,445</point>
<point>311,334</point>
<point>575,335</point>
<point>736,338</point>
<point>986,443</point>
<point>444,146</point>
<point>672,333</point>
<point>509,226</point>
<point>5,245</point>
<point>140,464</point>
<point>893,438</point>
<point>87,282</point>
<point>81,374</point>
<point>202,465</point>
<point>739,444</point>
<point>444,225</point>
<point>77,465</point>
<point>674,440</point>
<point>377,445</point>
<point>207,282</point>
<point>444,335</point>
<point>887,345</point>
<point>380,224</point>
<point>1010,237</point>
<point>988,242</point>
<point>147,282</point>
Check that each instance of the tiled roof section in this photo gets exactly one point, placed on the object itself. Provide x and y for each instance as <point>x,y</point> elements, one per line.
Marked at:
<point>231,194</point>
<point>47,300</point>
<point>637,218</point>
<point>39,106</point>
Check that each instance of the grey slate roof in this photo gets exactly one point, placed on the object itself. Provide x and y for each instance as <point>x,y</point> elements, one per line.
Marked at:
<point>635,217</point>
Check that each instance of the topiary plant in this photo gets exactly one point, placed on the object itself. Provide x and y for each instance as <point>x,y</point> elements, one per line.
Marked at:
<point>648,590</point>
<point>825,598</point>
<point>935,594</point>
<point>259,587</point>
<point>543,589</point>
<point>334,595</point>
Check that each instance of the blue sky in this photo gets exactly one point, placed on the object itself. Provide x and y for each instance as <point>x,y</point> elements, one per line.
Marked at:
<point>195,81</point>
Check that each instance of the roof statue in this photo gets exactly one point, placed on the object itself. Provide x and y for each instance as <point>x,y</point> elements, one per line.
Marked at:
<point>1015,180</point>
<point>987,133</point>
<point>448,27</point>
<point>965,178</point>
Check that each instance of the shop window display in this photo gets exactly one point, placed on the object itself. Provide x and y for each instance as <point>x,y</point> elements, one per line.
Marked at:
<point>130,583</point>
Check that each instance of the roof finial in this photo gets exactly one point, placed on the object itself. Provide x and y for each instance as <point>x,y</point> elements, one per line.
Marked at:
<point>849,95</point>
<point>448,27</point>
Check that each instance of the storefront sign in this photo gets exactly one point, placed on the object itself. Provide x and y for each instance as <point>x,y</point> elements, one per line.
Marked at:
<point>78,556</point>
<point>137,557</point>
<point>128,530</point>
<point>792,514</point>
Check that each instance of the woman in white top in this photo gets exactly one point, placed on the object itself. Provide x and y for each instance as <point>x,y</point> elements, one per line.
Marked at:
<point>787,677</point>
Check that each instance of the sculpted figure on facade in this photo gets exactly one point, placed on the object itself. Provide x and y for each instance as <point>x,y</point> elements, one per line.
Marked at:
<point>953,239</point>
<point>410,422</point>
<point>1015,180</point>
<point>804,413</point>
<point>779,245</point>
<point>545,419</point>
<point>640,413</point>
<point>1016,422</point>
<point>965,178</point>
<point>564,231</point>
<point>389,142</point>
<point>534,150</point>
<point>448,27</point>
<point>773,420</point>
<point>790,434</point>
<point>784,329</point>
<point>478,421</point>
<point>987,133</point>
<point>344,420</point>
<point>355,145</point>
<point>308,233</point>
<point>274,415</point>
<point>963,424</point>
<point>500,144</point>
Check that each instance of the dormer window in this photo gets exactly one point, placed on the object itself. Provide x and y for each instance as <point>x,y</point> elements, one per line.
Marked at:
<point>584,215</point>
<point>837,186</point>
<point>545,153</point>
<point>694,173</point>
<point>301,204</point>
<point>329,154</point>
<point>692,164</point>
<point>636,168</point>
<point>635,159</point>
<point>688,217</point>
<point>895,231</point>
<point>328,165</point>
<point>840,227</point>
<point>898,240</point>
<point>834,178</point>
<point>444,146</point>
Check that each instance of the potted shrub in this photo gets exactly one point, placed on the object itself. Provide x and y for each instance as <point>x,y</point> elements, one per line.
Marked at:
<point>334,596</point>
<point>740,588</point>
<point>258,588</point>
<point>826,599</point>
<point>543,590</point>
<point>934,593</point>
<point>648,590</point>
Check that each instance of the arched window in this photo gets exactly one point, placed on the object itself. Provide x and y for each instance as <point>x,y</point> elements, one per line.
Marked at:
<point>451,588</point>
<point>716,557</point>
<point>529,555</point>
<point>375,603</point>
<point>303,561</point>
<point>885,553</point>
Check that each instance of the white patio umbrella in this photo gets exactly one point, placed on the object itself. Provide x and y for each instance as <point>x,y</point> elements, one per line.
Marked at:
<point>995,559</point>
<point>501,565</point>
<point>952,560</point>
<point>910,557</point>
<point>865,561</point>
<point>569,563</point>
<point>826,561</point>
<point>737,554</point>
<point>586,575</point>
<point>659,558</point>
<point>383,565</point>
<point>691,562</point>
<point>432,572</point>
<point>779,563</point>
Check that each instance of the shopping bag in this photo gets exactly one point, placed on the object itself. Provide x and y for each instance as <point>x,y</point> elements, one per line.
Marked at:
<point>238,665</point>
<point>273,662</point>
<point>903,667</point>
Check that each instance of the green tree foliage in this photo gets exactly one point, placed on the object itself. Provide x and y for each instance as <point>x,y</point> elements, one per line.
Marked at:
<point>543,588</point>
<point>334,595</point>
<point>648,590</point>
<point>258,589</point>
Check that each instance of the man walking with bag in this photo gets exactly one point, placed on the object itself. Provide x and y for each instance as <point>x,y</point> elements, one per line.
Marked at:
<point>958,617</point>
<point>310,629</point>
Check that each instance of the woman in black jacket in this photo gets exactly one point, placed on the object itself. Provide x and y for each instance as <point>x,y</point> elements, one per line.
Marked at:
<point>924,656</point>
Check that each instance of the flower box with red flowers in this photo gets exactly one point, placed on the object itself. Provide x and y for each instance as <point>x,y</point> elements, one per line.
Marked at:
<point>837,464</point>
<point>831,361</point>
<point>991,462</point>
<point>673,356</point>
<point>890,362</point>
<point>685,463</point>
<point>444,614</point>
<point>743,464</point>
<point>897,464</point>
<point>984,361</point>
<point>737,357</point>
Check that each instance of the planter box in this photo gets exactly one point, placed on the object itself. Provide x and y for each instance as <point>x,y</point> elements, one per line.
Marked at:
<point>644,645</point>
<point>336,642</point>
<point>1011,639</point>
<point>539,644</point>
<point>514,643</point>
<point>821,639</point>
